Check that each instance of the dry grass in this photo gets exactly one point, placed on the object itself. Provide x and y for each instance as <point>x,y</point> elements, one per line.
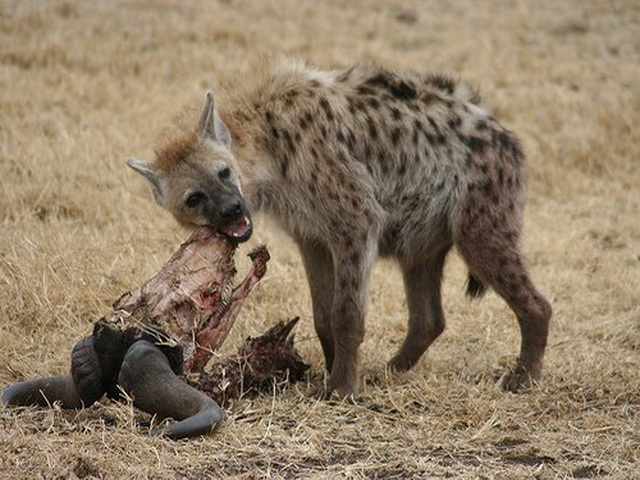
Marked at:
<point>83,84</point>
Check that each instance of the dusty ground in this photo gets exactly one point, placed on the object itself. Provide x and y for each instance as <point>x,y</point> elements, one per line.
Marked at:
<point>84,84</point>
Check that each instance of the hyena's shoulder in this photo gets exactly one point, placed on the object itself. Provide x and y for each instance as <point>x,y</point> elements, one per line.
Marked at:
<point>292,101</point>
<point>289,82</point>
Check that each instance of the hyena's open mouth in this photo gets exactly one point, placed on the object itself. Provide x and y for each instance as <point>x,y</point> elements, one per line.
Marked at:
<point>239,230</point>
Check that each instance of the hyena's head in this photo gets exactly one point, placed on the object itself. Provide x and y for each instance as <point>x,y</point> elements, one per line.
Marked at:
<point>195,178</point>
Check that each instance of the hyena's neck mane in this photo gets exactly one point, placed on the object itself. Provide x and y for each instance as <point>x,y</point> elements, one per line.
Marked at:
<point>248,109</point>
<point>245,104</point>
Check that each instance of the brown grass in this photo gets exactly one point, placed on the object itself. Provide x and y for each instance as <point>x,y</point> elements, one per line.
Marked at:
<point>84,84</point>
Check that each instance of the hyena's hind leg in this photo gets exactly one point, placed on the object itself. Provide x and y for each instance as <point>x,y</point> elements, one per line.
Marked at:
<point>78,389</point>
<point>426,319</point>
<point>494,258</point>
<point>318,264</point>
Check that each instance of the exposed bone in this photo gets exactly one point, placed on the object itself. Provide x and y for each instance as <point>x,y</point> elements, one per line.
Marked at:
<point>190,301</point>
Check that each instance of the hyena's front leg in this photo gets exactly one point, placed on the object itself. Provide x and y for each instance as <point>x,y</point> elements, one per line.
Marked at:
<point>318,264</point>
<point>351,271</point>
<point>422,281</point>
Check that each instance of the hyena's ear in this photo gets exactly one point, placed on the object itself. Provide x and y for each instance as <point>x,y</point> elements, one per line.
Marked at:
<point>148,172</point>
<point>211,125</point>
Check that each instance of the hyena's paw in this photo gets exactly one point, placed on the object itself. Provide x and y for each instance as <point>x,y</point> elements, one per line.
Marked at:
<point>319,392</point>
<point>399,363</point>
<point>342,391</point>
<point>326,394</point>
<point>520,379</point>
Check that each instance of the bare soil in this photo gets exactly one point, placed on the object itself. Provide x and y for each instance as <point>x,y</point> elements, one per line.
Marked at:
<point>85,84</point>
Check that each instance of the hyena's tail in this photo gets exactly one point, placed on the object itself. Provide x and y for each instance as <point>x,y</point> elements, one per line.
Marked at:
<point>475,288</point>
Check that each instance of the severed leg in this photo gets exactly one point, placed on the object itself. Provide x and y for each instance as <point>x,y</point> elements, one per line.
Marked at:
<point>147,377</point>
<point>78,389</point>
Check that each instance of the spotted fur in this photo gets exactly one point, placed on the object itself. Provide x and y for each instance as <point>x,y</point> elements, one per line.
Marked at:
<point>366,161</point>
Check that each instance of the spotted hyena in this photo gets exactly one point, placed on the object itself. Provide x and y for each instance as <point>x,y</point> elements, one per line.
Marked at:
<point>357,163</point>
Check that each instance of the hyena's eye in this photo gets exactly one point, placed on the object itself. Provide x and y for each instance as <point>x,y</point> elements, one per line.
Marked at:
<point>194,199</point>
<point>224,173</point>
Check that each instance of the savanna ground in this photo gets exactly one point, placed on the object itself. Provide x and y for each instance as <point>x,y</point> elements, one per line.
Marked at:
<point>84,84</point>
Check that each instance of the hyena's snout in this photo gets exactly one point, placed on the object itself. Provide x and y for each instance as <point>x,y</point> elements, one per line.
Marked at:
<point>232,209</point>
<point>231,217</point>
